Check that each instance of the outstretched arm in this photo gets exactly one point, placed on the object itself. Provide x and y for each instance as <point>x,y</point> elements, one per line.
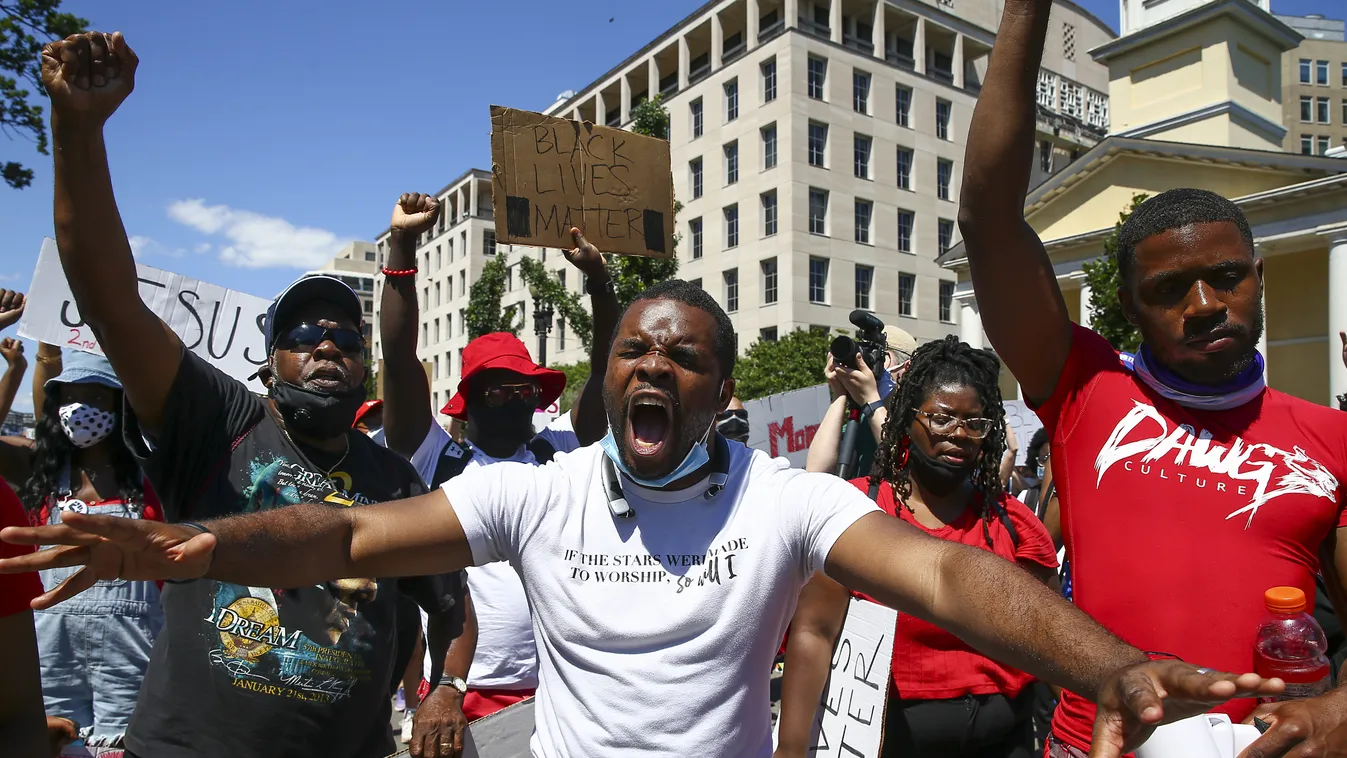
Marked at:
<point>813,632</point>
<point>1004,613</point>
<point>87,77</point>
<point>588,417</point>
<point>287,547</point>
<point>1022,306</point>
<point>439,724</point>
<point>407,411</point>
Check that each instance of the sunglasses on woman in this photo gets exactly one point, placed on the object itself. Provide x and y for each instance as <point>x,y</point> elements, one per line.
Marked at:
<point>306,338</point>
<point>499,394</point>
<point>947,425</point>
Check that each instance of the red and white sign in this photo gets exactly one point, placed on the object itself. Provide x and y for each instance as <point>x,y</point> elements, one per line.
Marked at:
<point>784,425</point>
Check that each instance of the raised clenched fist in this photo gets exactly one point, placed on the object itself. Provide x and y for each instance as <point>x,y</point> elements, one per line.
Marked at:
<point>12,351</point>
<point>11,307</point>
<point>414,213</point>
<point>88,75</point>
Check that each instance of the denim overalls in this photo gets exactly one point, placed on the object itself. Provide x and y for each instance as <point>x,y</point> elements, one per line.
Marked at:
<point>95,647</point>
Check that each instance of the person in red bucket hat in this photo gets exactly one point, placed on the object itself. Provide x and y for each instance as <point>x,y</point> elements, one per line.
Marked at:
<point>494,662</point>
<point>370,418</point>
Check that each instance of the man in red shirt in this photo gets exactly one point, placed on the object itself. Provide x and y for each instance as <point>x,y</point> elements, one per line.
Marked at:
<point>1187,486</point>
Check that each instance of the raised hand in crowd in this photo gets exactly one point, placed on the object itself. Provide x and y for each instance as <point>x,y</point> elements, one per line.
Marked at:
<point>12,351</point>
<point>16,364</point>
<point>11,308</point>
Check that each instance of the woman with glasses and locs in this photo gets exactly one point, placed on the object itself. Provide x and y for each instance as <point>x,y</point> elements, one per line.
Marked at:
<point>937,468</point>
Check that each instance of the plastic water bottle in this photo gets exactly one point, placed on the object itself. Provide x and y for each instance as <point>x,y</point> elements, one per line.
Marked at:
<point>1290,645</point>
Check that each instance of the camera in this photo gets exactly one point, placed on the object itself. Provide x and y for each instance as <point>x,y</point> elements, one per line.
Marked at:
<point>870,342</point>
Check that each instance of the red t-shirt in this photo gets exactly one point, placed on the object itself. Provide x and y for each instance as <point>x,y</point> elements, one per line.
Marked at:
<point>1177,520</point>
<point>929,663</point>
<point>16,590</point>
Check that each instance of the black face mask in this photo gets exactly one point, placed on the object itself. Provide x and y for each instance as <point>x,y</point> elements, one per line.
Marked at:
<point>733,428</point>
<point>316,414</point>
<point>509,425</point>
<point>936,475</point>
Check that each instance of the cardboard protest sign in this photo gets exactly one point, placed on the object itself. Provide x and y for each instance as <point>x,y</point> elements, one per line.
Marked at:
<point>850,720</point>
<point>503,734</point>
<point>549,174</point>
<point>784,424</point>
<point>221,325</point>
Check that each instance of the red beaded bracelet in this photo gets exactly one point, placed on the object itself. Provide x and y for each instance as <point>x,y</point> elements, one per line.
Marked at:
<point>399,271</point>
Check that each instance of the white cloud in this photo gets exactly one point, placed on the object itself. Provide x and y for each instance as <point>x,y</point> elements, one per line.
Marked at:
<point>9,278</point>
<point>252,240</point>
<point>204,247</point>
<point>140,246</point>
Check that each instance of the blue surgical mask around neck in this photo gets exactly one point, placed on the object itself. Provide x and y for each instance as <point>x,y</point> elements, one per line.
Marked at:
<point>695,459</point>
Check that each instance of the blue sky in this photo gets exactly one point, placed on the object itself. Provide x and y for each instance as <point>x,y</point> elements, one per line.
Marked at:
<point>262,135</point>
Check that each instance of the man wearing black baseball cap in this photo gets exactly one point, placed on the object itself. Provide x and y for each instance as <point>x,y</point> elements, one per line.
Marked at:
<point>256,671</point>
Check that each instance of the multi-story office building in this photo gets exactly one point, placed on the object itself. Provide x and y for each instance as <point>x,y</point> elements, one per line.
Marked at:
<point>356,264</point>
<point>817,149</point>
<point>1314,86</point>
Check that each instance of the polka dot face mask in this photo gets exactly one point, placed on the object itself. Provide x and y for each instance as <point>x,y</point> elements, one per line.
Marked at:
<point>85,425</point>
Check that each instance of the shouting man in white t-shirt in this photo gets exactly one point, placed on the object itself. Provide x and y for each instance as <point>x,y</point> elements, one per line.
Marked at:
<point>661,565</point>
<point>494,663</point>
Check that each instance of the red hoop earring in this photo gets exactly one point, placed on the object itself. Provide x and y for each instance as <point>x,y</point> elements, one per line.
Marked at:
<point>904,444</point>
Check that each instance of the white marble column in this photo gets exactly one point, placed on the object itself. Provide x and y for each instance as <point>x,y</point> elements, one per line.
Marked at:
<point>600,109</point>
<point>652,74</point>
<point>1337,314</point>
<point>1086,312</point>
<point>626,99</point>
<point>717,42</point>
<point>835,21</point>
<point>472,197</point>
<point>751,27</point>
<point>958,61</point>
<point>970,322</point>
<point>684,63</point>
<point>919,46</point>
<point>792,11</point>
<point>877,37</point>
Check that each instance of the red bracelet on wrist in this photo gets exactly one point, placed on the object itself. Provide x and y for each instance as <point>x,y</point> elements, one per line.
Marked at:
<point>399,271</point>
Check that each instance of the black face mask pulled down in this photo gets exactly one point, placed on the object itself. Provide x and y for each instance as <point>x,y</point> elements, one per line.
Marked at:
<point>507,426</point>
<point>317,415</point>
<point>734,428</point>
<point>936,475</point>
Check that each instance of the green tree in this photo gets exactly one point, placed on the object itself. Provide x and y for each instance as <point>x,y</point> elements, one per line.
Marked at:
<point>1102,277</point>
<point>565,304</point>
<point>485,313</point>
<point>25,26</point>
<point>632,274</point>
<point>793,362</point>
<point>576,376</point>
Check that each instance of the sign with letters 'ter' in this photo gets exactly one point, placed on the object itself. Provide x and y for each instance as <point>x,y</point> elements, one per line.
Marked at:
<point>221,325</point>
<point>550,174</point>
<point>850,720</point>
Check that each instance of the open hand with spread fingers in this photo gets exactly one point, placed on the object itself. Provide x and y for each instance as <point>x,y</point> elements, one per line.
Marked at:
<point>414,213</point>
<point>108,547</point>
<point>1141,697</point>
<point>88,75</point>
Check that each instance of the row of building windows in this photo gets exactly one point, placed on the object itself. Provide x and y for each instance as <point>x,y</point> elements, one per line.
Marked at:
<point>816,88</point>
<point>819,271</point>
<point>864,216</point>
<point>1319,110</point>
<point>1316,72</point>
<point>1317,144</point>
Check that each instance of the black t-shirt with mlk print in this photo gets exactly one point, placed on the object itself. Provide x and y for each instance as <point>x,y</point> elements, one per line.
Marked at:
<point>267,671</point>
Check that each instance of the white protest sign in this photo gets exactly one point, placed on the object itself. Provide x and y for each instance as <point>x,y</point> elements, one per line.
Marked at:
<point>850,720</point>
<point>783,425</point>
<point>1025,422</point>
<point>221,325</point>
<point>503,734</point>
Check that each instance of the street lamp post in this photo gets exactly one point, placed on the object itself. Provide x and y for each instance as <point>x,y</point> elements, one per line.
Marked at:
<point>542,324</point>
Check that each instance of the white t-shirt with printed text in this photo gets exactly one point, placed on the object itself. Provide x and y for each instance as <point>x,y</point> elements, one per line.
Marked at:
<point>655,634</point>
<point>506,656</point>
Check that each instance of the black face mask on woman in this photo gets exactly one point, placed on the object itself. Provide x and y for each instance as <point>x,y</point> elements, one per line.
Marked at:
<point>506,425</point>
<point>936,475</point>
<point>319,415</point>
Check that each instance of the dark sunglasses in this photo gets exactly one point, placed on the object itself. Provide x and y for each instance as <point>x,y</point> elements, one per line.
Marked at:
<point>306,338</point>
<point>728,414</point>
<point>499,394</point>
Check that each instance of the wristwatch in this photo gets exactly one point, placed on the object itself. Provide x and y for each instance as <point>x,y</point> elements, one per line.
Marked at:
<point>869,409</point>
<point>455,682</point>
<point>596,286</point>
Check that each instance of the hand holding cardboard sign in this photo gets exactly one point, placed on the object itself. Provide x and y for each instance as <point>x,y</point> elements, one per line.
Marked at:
<point>88,75</point>
<point>415,213</point>
<point>585,256</point>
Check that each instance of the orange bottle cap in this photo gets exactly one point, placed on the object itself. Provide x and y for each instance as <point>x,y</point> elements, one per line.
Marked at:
<point>1285,600</point>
